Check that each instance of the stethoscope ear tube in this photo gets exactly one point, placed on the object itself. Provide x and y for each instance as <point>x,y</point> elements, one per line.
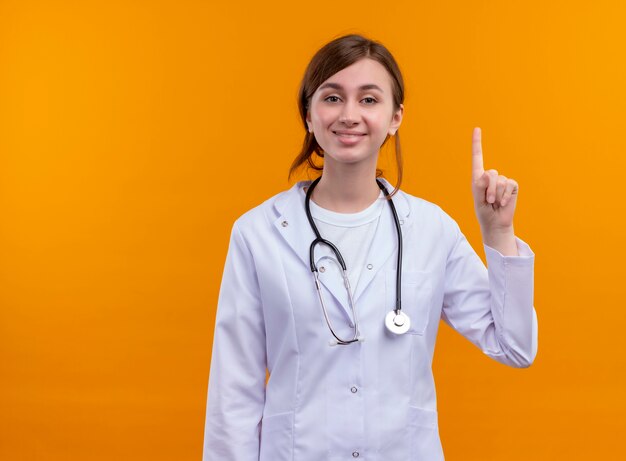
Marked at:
<point>356,336</point>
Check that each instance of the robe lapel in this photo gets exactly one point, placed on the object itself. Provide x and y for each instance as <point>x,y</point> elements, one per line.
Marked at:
<point>385,242</point>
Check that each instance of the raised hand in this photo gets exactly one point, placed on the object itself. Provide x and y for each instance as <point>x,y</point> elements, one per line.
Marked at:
<point>495,195</point>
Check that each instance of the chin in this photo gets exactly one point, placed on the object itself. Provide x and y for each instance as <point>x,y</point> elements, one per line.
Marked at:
<point>346,158</point>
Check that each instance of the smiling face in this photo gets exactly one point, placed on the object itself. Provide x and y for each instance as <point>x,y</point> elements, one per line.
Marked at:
<point>352,112</point>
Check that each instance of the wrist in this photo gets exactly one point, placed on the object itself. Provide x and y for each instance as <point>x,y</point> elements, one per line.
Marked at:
<point>497,232</point>
<point>501,239</point>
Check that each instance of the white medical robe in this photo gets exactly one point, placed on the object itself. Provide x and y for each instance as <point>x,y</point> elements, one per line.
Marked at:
<point>373,400</point>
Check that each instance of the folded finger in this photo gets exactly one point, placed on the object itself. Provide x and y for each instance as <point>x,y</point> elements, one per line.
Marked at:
<point>500,188</point>
<point>510,190</point>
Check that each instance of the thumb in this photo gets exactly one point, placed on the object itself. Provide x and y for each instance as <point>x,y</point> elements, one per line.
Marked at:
<point>479,187</point>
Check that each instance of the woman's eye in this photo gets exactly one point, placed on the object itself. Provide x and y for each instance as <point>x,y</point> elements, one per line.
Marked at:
<point>368,100</point>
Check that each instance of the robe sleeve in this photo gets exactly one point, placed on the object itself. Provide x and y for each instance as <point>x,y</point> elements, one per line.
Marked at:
<point>236,392</point>
<point>492,306</point>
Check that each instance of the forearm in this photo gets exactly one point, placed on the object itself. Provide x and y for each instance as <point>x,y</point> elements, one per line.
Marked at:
<point>493,308</point>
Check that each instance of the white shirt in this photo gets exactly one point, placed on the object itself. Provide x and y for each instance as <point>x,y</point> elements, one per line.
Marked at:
<point>351,233</point>
<point>373,400</point>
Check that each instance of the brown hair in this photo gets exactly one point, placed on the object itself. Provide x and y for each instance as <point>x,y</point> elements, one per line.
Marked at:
<point>330,59</point>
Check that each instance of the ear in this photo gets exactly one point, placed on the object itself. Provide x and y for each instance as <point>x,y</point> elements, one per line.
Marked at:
<point>396,120</point>
<point>308,122</point>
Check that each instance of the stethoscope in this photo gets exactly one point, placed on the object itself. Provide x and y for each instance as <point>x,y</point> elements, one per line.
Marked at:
<point>396,321</point>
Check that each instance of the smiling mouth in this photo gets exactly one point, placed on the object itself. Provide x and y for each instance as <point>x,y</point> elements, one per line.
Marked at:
<point>349,135</point>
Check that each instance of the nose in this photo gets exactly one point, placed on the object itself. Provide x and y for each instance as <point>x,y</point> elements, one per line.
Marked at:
<point>349,114</point>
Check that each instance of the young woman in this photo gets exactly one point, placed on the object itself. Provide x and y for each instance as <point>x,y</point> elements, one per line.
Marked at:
<point>336,288</point>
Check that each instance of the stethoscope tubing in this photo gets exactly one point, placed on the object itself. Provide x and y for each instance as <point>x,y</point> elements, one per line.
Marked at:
<point>319,240</point>
<point>399,260</point>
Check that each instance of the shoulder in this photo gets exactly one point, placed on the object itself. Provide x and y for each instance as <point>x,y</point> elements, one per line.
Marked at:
<point>430,223</point>
<point>427,213</point>
<point>263,216</point>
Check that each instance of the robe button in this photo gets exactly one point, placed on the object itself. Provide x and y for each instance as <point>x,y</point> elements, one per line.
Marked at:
<point>370,267</point>
<point>322,269</point>
<point>284,223</point>
<point>353,389</point>
<point>355,454</point>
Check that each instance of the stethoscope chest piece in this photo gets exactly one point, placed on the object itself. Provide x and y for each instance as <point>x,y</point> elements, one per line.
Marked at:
<point>397,323</point>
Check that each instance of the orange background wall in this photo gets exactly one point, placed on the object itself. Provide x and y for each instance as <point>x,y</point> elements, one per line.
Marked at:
<point>133,133</point>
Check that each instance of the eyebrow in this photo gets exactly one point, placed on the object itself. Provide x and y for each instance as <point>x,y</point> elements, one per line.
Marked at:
<point>336,86</point>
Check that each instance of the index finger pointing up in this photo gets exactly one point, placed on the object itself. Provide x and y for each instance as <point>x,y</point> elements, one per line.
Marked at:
<point>477,155</point>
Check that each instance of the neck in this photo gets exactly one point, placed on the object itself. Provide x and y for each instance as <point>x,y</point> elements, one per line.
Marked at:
<point>346,188</point>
